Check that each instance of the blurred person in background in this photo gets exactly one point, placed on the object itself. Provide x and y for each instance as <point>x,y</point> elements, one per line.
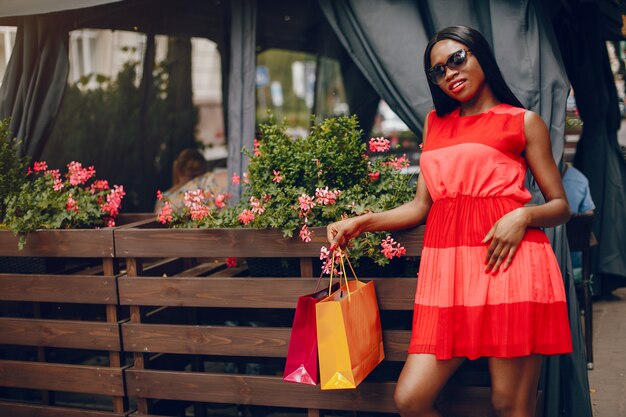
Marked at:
<point>189,172</point>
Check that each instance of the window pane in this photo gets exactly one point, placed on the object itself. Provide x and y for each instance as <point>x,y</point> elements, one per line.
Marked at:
<point>132,134</point>
<point>7,41</point>
<point>285,86</point>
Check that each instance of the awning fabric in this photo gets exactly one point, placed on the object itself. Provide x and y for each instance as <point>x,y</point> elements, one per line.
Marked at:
<point>33,7</point>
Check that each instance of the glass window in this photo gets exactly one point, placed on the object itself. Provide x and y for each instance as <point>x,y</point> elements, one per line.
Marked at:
<point>403,141</point>
<point>7,41</point>
<point>293,85</point>
<point>101,114</point>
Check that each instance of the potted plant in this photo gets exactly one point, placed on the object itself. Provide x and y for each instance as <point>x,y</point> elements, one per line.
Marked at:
<point>47,200</point>
<point>296,185</point>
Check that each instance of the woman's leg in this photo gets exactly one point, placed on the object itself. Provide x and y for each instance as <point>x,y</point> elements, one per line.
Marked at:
<point>421,380</point>
<point>514,385</point>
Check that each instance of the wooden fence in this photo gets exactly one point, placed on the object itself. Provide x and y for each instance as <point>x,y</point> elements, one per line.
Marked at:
<point>200,338</point>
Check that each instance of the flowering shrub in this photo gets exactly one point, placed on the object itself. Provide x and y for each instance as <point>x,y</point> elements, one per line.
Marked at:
<point>49,200</point>
<point>11,167</point>
<point>295,184</point>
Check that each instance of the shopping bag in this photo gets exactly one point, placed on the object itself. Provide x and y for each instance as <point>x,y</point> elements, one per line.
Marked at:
<point>301,366</point>
<point>349,335</point>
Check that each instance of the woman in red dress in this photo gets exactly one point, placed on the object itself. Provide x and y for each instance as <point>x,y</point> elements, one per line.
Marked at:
<point>489,284</point>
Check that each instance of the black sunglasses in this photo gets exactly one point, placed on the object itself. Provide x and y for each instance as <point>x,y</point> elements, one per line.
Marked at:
<point>437,73</point>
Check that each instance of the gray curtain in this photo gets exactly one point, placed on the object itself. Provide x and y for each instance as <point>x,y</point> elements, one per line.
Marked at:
<point>35,81</point>
<point>597,155</point>
<point>241,88</point>
<point>386,40</point>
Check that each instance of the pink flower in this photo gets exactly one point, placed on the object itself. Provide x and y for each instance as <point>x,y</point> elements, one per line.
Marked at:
<point>231,262</point>
<point>374,176</point>
<point>236,179</point>
<point>194,197</point>
<point>257,151</point>
<point>40,166</point>
<point>56,176</point>
<point>71,204</point>
<point>58,185</point>
<point>220,201</point>
<point>159,195</point>
<point>326,197</point>
<point>257,206</point>
<point>306,203</point>
<point>165,215</point>
<point>391,248</point>
<point>246,216</point>
<point>398,163</point>
<point>246,180</point>
<point>199,211</point>
<point>114,201</point>
<point>196,201</point>
<point>99,185</point>
<point>110,222</point>
<point>78,174</point>
<point>305,234</point>
<point>327,256</point>
<point>277,177</point>
<point>379,144</point>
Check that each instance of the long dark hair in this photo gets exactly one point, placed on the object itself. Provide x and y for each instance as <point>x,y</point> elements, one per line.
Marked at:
<point>482,51</point>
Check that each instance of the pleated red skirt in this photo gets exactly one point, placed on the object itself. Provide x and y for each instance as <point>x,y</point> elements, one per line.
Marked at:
<point>461,310</point>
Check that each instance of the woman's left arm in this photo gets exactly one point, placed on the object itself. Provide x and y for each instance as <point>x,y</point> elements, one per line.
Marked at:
<point>508,231</point>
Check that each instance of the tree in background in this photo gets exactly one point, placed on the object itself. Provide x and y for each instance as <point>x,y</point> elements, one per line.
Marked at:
<point>101,126</point>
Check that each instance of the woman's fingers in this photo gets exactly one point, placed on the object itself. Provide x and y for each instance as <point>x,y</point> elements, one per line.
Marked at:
<point>489,234</point>
<point>492,254</point>
<point>499,258</point>
<point>502,255</point>
<point>337,235</point>
<point>510,256</point>
<point>333,234</point>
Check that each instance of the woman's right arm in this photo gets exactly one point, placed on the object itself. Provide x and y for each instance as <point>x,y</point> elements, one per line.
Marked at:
<point>406,216</point>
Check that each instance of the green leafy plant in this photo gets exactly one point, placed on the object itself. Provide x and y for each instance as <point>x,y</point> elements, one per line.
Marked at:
<point>12,167</point>
<point>47,200</point>
<point>295,184</point>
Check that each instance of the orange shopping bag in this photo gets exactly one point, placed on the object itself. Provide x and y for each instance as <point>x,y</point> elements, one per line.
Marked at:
<point>349,336</point>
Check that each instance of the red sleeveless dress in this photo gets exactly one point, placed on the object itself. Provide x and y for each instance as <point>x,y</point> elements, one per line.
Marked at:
<point>474,172</point>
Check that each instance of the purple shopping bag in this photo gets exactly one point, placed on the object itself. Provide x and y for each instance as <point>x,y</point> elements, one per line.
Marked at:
<point>301,366</point>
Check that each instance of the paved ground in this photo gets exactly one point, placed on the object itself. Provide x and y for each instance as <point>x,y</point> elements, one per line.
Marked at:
<point>608,381</point>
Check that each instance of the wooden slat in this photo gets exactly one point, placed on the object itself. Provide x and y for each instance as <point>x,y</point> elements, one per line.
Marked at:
<point>159,242</point>
<point>59,288</point>
<point>31,410</point>
<point>393,293</point>
<point>455,401</point>
<point>57,377</point>
<point>60,333</point>
<point>259,390</point>
<point>232,341</point>
<point>203,269</point>
<point>74,243</point>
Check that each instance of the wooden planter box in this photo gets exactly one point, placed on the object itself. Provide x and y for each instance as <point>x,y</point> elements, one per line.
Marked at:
<point>69,243</point>
<point>151,239</point>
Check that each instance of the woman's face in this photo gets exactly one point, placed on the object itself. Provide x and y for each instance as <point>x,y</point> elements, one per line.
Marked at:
<point>462,82</point>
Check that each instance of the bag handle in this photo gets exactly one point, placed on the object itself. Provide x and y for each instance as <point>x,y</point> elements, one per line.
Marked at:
<point>343,270</point>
